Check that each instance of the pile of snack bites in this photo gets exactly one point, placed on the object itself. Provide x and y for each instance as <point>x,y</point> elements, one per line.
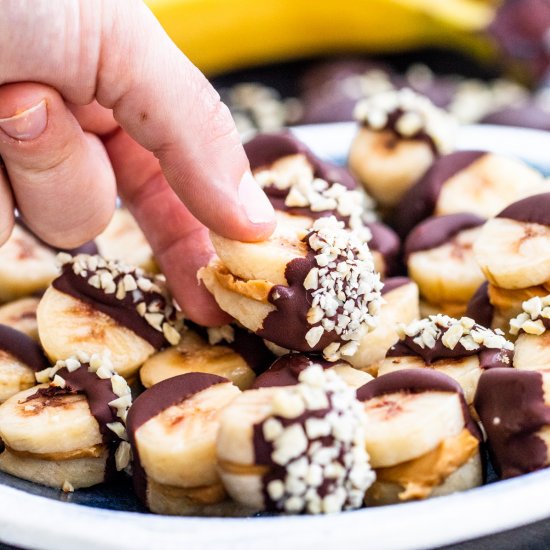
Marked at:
<point>371,359</point>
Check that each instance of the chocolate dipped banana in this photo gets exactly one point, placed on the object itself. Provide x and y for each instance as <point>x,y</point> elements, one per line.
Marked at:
<point>96,304</point>
<point>310,290</point>
<point>300,184</point>
<point>440,260</point>
<point>459,348</point>
<point>513,249</point>
<point>68,432</point>
<point>296,449</point>
<point>172,429</point>
<point>476,182</point>
<point>420,437</point>
<point>399,306</point>
<point>514,407</point>
<point>230,351</point>
<point>400,135</point>
<point>285,371</point>
<point>20,358</point>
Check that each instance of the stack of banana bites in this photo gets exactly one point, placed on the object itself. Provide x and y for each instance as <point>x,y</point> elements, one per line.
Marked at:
<point>389,330</point>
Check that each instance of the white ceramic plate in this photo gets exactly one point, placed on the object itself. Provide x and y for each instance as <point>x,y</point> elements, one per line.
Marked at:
<point>32,520</point>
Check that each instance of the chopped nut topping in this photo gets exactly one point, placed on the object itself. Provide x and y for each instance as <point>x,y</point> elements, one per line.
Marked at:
<point>532,320</point>
<point>345,289</point>
<point>319,460</point>
<point>415,113</point>
<point>426,332</point>
<point>67,487</point>
<point>226,333</point>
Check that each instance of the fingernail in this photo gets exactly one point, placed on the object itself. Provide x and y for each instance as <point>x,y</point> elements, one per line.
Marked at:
<point>254,201</point>
<point>28,124</point>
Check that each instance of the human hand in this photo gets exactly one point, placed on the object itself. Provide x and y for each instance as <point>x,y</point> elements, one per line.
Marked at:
<point>93,94</point>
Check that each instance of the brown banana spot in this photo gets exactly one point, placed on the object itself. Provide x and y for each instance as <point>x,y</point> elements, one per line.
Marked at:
<point>35,404</point>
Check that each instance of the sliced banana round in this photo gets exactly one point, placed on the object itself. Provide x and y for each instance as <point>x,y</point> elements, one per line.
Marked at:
<point>21,315</point>
<point>513,250</point>
<point>440,258</point>
<point>73,426</point>
<point>97,304</point>
<point>173,428</point>
<point>452,309</point>
<point>532,352</point>
<point>193,354</point>
<point>278,446</point>
<point>123,240</point>
<point>400,306</point>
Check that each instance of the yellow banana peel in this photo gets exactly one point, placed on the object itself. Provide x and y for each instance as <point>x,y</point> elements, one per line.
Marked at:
<point>222,35</point>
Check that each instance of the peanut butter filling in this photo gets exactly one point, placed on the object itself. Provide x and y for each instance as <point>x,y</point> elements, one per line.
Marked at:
<point>420,476</point>
<point>95,451</point>
<point>506,298</point>
<point>242,469</point>
<point>256,289</point>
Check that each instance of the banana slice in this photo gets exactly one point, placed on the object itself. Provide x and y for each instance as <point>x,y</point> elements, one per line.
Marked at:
<point>193,354</point>
<point>290,449</point>
<point>440,258</point>
<point>513,250</point>
<point>173,428</point>
<point>20,358</point>
<point>518,436</point>
<point>400,306</point>
<point>400,136</point>
<point>420,436</point>
<point>323,293</point>
<point>21,315</point>
<point>97,304</point>
<point>71,427</point>
<point>123,240</point>
<point>286,370</point>
<point>467,181</point>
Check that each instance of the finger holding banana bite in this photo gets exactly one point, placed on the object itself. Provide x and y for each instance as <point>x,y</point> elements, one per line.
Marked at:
<point>401,134</point>
<point>96,304</point>
<point>513,249</point>
<point>297,449</point>
<point>420,437</point>
<point>476,182</point>
<point>306,290</point>
<point>439,258</point>
<point>459,348</point>
<point>20,358</point>
<point>71,428</point>
<point>172,429</point>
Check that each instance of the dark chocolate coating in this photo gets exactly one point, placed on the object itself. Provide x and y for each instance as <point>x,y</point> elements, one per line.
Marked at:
<point>152,402</point>
<point>438,230</point>
<point>420,200</point>
<point>417,381</point>
<point>393,283</point>
<point>286,370</point>
<point>534,209</point>
<point>480,308</point>
<point>264,149</point>
<point>516,398</point>
<point>529,115</point>
<point>89,247</point>
<point>23,348</point>
<point>122,311</point>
